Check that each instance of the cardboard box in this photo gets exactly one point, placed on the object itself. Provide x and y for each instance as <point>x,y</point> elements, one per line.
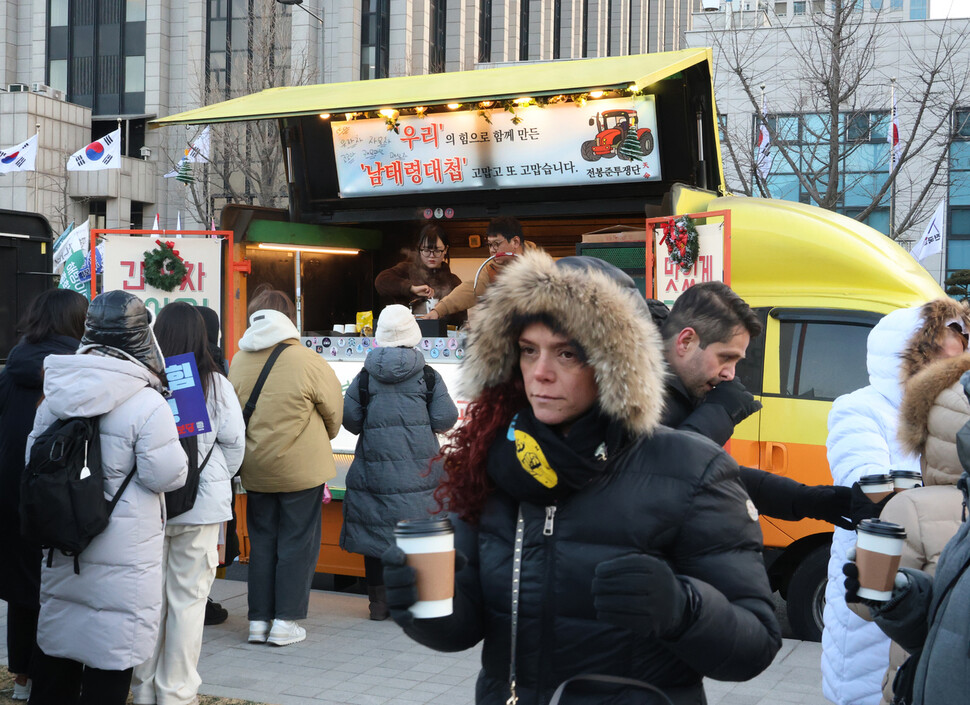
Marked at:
<point>616,233</point>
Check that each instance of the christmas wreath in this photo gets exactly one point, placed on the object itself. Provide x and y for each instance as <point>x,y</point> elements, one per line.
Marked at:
<point>164,268</point>
<point>680,236</point>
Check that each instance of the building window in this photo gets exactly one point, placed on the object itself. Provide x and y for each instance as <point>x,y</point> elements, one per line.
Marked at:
<point>436,62</point>
<point>585,47</point>
<point>375,39</point>
<point>721,126</point>
<point>917,10</point>
<point>781,9</point>
<point>90,45</point>
<point>485,31</point>
<point>557,29</point>
<point>958,201</point>
<point>524,29</point>
<point>798,7</point>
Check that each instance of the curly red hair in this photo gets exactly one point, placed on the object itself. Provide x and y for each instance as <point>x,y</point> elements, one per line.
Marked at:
<point>466,484</point>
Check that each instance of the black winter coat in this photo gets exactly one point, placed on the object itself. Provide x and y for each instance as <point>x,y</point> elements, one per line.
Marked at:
<point>21,387</point>
<point>773,495</point>
<point>671,494</point>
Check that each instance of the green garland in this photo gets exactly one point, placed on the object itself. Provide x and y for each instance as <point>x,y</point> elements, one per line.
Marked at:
<point>164,268</point>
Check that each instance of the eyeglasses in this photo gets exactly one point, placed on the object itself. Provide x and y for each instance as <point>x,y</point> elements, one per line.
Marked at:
<point>436,253</point>
<point>494,245</point>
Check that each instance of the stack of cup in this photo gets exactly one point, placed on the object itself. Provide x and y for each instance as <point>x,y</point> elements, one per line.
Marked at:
<point>876,487</point>
<point>879,545</point>
<point>905,479</point>
<point>430,547</point>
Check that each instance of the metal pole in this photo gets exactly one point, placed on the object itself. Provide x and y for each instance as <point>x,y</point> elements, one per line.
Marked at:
<point>36,175</point>
<point>299,292</point>
<point>892,152</point>
<point>118,200</point>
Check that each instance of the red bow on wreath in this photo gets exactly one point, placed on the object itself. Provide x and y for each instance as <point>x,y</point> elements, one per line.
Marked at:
<point>680,237</point>
<point>170,245</point>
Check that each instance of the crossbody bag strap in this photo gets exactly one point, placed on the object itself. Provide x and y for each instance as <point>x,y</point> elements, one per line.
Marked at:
<point>264,373</point>
<point>614,680</point>
<point>516,583</point>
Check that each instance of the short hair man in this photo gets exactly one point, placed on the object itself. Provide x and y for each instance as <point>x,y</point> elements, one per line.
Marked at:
<point>706,334</point>
<point>503,237</point>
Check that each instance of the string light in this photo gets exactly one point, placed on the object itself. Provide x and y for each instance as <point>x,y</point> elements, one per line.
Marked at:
<point>595,94</point>
<point>454,106</point>
<point>324,116</point>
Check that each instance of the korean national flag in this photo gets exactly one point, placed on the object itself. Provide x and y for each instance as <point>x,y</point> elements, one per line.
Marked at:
<point>105,153</point>
<point>21,157</point>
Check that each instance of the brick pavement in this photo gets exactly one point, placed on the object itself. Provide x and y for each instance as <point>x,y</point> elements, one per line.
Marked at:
<point>349,660</point>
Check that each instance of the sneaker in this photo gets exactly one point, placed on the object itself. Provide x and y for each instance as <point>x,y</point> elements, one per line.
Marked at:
<point>258,631</point>
<point>21,692</point>
<point>285,632</point>
<point>215,613</point>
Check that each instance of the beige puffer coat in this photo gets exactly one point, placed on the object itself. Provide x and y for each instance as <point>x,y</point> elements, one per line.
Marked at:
<point>934,408</point>
<point>298,412</point>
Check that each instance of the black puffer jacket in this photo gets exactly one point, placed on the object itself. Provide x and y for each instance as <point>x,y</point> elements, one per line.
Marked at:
<point>773,495</point>
<point>21,387</point>
<point>670,494</point>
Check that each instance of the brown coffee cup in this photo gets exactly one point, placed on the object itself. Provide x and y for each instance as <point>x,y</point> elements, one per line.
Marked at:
<point>905,480</point>
<point>430,547</point>
<point>876,487</point>
<point>879,545</point>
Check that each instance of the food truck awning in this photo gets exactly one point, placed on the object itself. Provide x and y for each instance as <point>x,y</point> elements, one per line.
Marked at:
<point>504,82</point>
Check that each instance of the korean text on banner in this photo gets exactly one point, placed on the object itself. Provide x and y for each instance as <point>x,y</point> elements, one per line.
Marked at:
<point>605,141</point>
<point>74,241</point>
<point>124,268</point>
<point>187,400</point>
<point>672,281</point>
<point>932,241</point>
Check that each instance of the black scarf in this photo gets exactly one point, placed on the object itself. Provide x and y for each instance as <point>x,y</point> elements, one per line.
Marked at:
<point>534,463</point>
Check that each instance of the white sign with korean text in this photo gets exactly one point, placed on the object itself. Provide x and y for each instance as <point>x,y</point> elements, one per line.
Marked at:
<point>605,141</point>
<point>124,268</point>
<point>672,281</point>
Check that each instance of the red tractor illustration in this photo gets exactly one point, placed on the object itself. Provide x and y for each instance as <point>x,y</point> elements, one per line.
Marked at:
<point>614,129</point>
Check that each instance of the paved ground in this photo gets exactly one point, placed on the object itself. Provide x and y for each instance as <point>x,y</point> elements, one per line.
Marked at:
<point>349,660</point>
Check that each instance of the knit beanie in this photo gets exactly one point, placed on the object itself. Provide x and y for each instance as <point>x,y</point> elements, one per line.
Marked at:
<point>396,328</point>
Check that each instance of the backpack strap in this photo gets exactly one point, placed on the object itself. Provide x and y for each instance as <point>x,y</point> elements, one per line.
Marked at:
<point>261,380</point>
<point>429,382</point>
<point>363,388</point>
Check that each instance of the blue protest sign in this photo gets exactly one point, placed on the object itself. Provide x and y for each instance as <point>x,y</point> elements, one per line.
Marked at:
<point>187,400</point>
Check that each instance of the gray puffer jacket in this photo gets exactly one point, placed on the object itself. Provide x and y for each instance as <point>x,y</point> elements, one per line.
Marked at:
<point>107,616</point>
<point>389,478</point>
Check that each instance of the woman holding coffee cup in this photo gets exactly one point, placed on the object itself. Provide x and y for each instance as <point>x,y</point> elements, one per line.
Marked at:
<point>934,408</point>
<point>590,539</point>
<point>863,427</point>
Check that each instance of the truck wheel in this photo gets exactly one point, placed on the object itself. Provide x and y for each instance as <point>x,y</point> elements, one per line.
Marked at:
<point>646,143</point>
<point>806,595</point>
<point>587,151</point>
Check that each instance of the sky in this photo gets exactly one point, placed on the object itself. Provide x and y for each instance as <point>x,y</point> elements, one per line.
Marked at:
<point>949,8</point>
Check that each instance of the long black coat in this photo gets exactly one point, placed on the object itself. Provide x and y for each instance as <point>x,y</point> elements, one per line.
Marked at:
<point>21,387</point>
<point>670,494</point>
<point>773,495</point>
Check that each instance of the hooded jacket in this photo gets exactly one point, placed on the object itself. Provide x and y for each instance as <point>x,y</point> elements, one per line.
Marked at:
<point>107,615</point>
<point>391,477</point>
<point>21,387</point>
<point>863,440</point>
<point>934,409</point>
<point>298,411</point>
<point>667,493</point>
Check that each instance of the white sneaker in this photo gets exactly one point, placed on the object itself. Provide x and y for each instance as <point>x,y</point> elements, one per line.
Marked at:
<point>285,632</point>
<point>258,631</point>
<point>21,692</point>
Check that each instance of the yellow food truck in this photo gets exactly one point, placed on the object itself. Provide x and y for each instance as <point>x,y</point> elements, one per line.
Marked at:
<point>568,148</point>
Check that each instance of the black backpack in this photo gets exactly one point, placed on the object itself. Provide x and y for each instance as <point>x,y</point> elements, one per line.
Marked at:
<point>183,499</point>
<point>62,502</point>
<point>364,390</point>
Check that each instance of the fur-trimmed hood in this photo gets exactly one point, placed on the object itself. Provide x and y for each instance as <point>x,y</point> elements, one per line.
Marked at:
<point>934,408</point>
<point>924,345</point>
<point>592,308</point>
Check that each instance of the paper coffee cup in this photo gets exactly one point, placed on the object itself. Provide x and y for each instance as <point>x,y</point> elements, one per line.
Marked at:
<point>905,479</point>
<point>876,487</point>
<point>430,546</point>
<point>879,544</point>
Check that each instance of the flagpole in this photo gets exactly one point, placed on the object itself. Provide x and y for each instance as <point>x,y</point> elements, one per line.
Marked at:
<point>118,198</point>
<point>36,175</point>
<point>892,152</point>
<point>764,117</point>
<point>943,239</point>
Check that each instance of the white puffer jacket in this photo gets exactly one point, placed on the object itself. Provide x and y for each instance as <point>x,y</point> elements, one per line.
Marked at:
<point>107,616</point>
<point>862,441</point>
<point>228,434</point>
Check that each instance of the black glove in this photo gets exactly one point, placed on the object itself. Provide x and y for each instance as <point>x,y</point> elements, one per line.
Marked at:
<point>861,507</point>
<point>831,503</point>
<point>737,401</point>
<point>642,593</point>
<point>400,585</point>
<point>851,572</point>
